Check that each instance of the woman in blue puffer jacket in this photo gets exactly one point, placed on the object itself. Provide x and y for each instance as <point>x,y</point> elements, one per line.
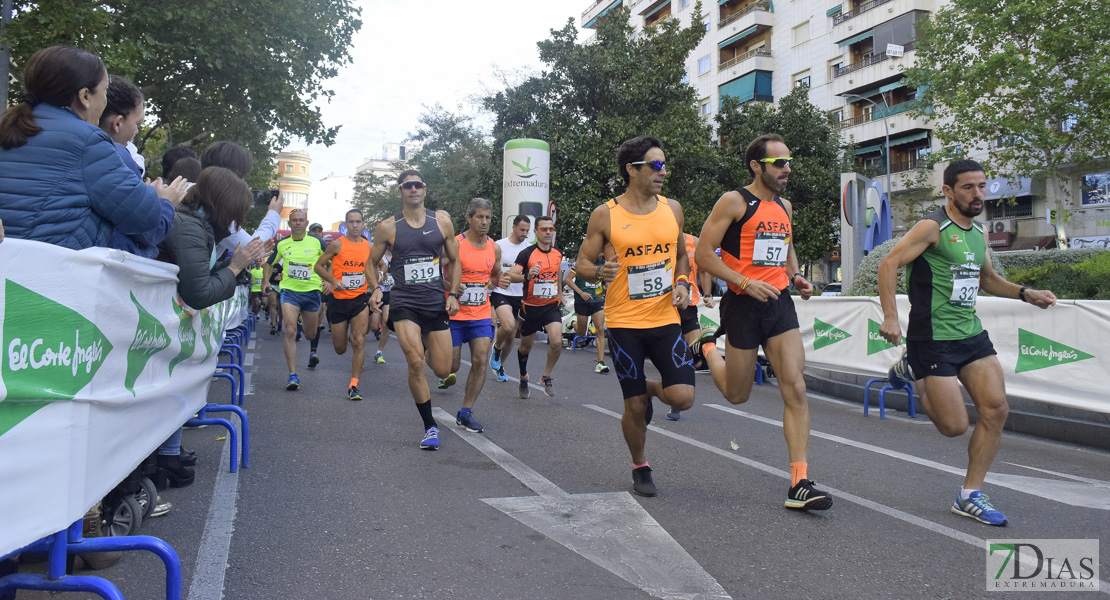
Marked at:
<point>61,181</point>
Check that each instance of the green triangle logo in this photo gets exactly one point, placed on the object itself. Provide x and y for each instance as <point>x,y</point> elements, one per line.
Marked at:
<point>50,353</point>
<point>827,335</point>
<point>207,331</point>
<point>1038,352</point>
<point>707,323</point>
<point>187,334</point>
<point>150,339</point>
<point>875,341</point>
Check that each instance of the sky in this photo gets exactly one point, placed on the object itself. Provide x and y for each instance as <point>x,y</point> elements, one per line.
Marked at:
<point>409,55</point>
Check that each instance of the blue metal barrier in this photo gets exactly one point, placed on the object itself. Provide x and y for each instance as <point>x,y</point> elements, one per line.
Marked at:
<point>882,396</point>
<point>236,389</point>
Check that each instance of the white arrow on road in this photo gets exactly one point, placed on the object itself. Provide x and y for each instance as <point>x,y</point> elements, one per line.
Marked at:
<point>609,529</point>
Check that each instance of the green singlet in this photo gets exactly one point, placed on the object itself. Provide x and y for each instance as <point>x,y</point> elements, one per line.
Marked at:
<point>944,283</point>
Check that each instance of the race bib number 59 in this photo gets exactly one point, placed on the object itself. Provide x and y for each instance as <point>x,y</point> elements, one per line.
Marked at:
<point>649,281</point>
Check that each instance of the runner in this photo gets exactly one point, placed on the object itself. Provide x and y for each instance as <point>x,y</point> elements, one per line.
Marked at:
<point>300,289</point>
<point>537,266</point>
<point>480,260</point>
<point>645,230</point>
<point>316,230</point>
<point>752,227</point>
<point>379,320</point>
<point>273,301</point>
<point>256,297</point>
<point>348,309</point>
<point>589,305</point>
<point>506,297</point>
<point>701,341</point>
<point>946,260</point>
<point>417,236</point>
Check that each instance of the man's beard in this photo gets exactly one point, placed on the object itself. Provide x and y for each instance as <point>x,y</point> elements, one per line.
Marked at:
<point>771,182</point>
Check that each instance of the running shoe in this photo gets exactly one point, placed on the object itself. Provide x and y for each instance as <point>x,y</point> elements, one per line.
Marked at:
<point>431,439</point>
<point>601,368</point>
<point>900,374</point>
<point>313,360</point>
<point>548,386</point>
<point>273,331</point>
<point>448,381</point>
<point>978,507</point>
<point>294,382</point>
<point>642,483</point>
<point>804,496</point>
<point>674,415</point>
<point>352,393</point>
<point>525,391</point>
<point>494,362</point>
<point>378,358</point>
<point>467,422</point>
<point>501,376</point>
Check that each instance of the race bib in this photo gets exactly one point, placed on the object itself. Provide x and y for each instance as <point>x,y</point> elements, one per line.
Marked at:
<point>545,289</point>
<point>299,271</point>
<point>769,250</point>
<point>965,288</point>
<point>387,281</point>
<point>421,270</point>
<point>353,281</point>
<point>257,281</point>
<point>649,281</point>
<point>474,294</point>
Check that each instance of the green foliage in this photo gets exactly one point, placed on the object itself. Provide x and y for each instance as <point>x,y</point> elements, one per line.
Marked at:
<point>376,196</point>
<point>814,142</point>
<point>1086,280</point>
<point>866,281</point>
<point>1031,73</point>
<point>1027,259</point>
<point>591,97</point>
<point>211,70</point>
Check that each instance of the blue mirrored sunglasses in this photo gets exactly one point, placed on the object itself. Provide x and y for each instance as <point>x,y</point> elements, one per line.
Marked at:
<point>656,165</point>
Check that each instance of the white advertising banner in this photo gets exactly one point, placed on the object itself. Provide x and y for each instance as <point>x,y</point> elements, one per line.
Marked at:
<point>101,363</point>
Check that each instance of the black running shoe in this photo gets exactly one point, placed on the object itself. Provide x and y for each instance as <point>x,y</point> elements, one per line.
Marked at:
<point>313,360</point>
<point>642,483</point>
<point>806,497</point>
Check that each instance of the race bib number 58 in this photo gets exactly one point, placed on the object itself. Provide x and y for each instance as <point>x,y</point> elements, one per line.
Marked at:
<point>649,281</point>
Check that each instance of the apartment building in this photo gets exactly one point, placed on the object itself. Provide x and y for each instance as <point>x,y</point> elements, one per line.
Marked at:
<point>852,54</point>
<point>392,152</point>
<point>291,177</point>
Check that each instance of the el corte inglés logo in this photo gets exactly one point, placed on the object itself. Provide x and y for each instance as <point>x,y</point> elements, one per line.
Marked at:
<point>150,339</point>
<point>875,341</point>
<point>1038,352</point>
<point>827,335</point>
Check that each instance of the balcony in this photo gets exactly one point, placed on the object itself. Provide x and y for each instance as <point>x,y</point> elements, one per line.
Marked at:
<point>870,131</point>
<point>759,65</point>
<point>761,5</point>
<point>896,109</point>
<point>870,71</point>
<point>869,14</point>
<point>598,9</point>
<point>857,11</point>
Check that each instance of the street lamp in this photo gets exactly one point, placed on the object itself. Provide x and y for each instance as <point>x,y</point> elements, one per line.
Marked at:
<point>5,51</point>
<point>886,149</point>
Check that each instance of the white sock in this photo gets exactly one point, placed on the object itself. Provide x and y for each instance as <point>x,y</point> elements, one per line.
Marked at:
<point>966,493</point>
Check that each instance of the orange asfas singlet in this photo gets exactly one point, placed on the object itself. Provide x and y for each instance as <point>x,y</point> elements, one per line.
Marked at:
<point>349,268</point>
<point>647,249</point>
<point>756,246</point>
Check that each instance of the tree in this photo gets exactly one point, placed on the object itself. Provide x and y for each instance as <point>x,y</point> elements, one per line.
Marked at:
<point>814,142</point>
<point>376,196</point>
<point>1024,80</point>
<point>246,71</point>
<point>591,97</point>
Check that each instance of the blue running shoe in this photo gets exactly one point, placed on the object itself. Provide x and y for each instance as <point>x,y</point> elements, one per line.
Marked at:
<point>674,415</point>
<point>978,507</point>
<point>467,422</point>
<point>501,376</point>
<point>495,363</point>
<point>900,374</point>
<point>294,382</point>
<point>431,439</point>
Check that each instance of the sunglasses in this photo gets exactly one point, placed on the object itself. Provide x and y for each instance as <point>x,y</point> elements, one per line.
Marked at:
<point>545,229</point>
<point>656,165</point>
<point>779,162</point>
<point>408,185</point>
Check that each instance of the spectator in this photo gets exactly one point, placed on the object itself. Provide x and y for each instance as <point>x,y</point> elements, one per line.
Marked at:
<point>238,159</point>
<point>173,155</point>
<point>189,168</point>
<point>120,120</point>
<point>61,181</point>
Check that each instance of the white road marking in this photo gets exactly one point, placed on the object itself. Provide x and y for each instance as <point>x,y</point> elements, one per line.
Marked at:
<point>248,389</point>
<point>248,359</point>
<point>1088,493</point>
<point>610,530</point>
<point>215,542</point>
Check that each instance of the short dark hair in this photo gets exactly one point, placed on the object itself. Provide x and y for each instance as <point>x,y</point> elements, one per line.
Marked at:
<point>123,98</point>
<point>517,220</point>
<point>409,173</point>
<point>758,149</point>
<point>544,218</point>
<point>633,150</point>
<point>229,155</point>
<point>477,204</point>
<point>353,210</point>
<point>223,195</point>
<point>175,154</point>
<point>189,168</point>
<point>52,75</point>
<point>954,169</point>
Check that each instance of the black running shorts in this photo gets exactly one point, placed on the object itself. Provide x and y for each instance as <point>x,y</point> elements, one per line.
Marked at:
<point>344,309</point>
<point>946,358</point>
<point>749,323</point>
<point>499,300</point>
<point>428,320</point>
<point>689,319</point>
<point>666,348</point>
<point>537,317</point>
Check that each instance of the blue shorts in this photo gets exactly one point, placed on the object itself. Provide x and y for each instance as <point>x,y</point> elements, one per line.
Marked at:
<point>306,301</point>
<point>464,331</point>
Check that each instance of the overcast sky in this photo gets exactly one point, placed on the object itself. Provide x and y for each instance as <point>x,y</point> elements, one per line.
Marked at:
<point>410,54</point>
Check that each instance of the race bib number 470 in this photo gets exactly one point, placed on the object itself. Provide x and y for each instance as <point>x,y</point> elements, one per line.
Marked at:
<point>649,281</point>
<point>300,272</point>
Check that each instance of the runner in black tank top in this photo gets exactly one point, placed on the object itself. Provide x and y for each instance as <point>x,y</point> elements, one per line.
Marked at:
<point>418,237</point>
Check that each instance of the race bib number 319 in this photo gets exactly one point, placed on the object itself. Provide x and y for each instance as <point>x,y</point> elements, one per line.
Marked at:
<point>421,270</point>
<point>649,281</point>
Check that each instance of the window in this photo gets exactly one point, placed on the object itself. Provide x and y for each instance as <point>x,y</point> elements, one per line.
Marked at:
<point>683,4</point>
<point>304,169</point>
<point>685,77</point>
<point>401,153</point>
<point>288,168</point>
<point>837,115</point>
<point>801,33</point>
<point>802,79</point>
<point>707,23</point>
<point>835,65</point>
<point>704,109</point>
<point>703,65</point>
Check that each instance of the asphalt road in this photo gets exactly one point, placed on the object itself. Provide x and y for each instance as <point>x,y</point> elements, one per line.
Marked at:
<point>339,501</point>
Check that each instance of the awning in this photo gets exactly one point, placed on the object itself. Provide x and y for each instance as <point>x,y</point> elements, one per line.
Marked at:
<point>1039,242</point>
<point>858,38</point>
<point>720,2</point>
<point>892,86</point>
<point>833,11</point>
<point>905,139</point>
<point>593,21</point>
<point>657,8</point>
<point>870,149</point>
<point>739,36</point>
<point>1001,187</point>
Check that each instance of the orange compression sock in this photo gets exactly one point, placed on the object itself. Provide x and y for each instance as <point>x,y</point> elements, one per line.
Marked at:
<point>797,472</point>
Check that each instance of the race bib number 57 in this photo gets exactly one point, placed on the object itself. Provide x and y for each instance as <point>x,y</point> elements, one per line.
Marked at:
<point>769,250</point>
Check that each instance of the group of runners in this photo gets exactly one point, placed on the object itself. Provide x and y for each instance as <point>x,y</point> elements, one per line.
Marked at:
<point>636,277</point>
